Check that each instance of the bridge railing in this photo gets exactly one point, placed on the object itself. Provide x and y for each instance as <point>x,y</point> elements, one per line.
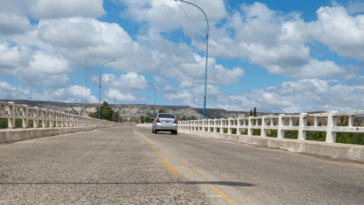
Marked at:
<point>46,118</point>
<point>284,123</point>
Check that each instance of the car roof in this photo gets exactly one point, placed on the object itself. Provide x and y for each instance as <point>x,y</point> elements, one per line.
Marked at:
<point>167,113</point>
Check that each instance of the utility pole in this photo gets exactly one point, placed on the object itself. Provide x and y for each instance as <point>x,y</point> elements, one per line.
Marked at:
<point>86,81</point>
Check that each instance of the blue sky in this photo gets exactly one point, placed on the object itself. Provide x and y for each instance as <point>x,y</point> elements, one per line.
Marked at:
<point>278,56</point>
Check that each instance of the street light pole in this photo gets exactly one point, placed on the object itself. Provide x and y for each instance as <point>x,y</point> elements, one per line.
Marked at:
<point>86,81</point>
<point>100,86</point>
<point>155,95</point>
<point>207,53</point>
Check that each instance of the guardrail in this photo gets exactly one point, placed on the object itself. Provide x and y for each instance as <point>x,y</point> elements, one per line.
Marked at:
<point>285,122</point>
<point>46,118</point>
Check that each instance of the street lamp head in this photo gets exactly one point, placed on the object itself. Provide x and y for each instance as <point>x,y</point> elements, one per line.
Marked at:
<point>118,59</point>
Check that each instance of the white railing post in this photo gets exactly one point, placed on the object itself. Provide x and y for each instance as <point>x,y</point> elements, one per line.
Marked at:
<point>57,118</point>
<point>351,121</point>
<point>215,126</point>
<point>229,126</point>
<point>281,123</point>
<point>302,124</point>
<point>51,120</point>
<point>315,124</point>
<point>238,131</point>
<point>36,117</point>
<point>43,114</point>
<point>221,125</point>
<point>11,115</point>
<point>263,131</point>
<point>250,130</point>
<point>25,120</point>
<point>331,122</point>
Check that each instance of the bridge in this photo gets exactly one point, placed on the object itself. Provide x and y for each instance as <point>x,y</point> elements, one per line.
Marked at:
<point>69,159</point>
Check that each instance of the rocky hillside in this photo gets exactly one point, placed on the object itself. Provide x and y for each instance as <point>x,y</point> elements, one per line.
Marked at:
<point>131,110</point>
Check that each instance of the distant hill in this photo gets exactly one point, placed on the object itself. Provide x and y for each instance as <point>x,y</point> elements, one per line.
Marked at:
<point>132,110</point>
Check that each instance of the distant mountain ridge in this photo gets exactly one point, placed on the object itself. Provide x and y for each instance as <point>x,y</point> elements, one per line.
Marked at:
<point>132,110</point>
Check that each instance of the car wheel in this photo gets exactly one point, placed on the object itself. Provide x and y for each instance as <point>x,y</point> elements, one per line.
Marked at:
<point>155,131</point>
<point>172,132</point>
<point>175,132</point>
<point>152,131</point>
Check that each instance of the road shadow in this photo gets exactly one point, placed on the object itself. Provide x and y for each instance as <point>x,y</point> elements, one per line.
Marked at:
<point>223,183</point>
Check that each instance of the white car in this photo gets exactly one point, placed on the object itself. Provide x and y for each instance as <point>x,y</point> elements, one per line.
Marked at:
<point>165,122</point>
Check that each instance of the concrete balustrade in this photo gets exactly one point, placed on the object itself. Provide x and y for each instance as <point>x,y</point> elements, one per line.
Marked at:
<point>43,118</point>
<point>280,123</point>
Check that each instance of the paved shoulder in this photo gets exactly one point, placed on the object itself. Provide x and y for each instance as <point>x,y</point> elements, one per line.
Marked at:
<point>249,174</point>
<point>109,166</point>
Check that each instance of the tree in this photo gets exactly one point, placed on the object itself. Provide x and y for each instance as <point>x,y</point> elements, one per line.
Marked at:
<point>255,112</point>
<point>106,112</point>
<point>116,116</point>
<point>162,111</point>
<point>251,113</point>
<point>142,119</point>
<point>184,118</point>
<point>192,118</point>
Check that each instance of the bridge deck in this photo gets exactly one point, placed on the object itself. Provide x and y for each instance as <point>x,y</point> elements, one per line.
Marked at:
<point>130,165</point>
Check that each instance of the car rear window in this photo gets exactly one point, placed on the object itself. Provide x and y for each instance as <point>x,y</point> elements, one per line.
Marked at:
<point>166,116</point>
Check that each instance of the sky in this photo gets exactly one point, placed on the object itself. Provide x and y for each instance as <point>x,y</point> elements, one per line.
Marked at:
<point>276,55</point>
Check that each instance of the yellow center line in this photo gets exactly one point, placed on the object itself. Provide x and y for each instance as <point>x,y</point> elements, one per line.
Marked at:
<point>168,166</point>
<point>223,195</point>
<point>175,173</point>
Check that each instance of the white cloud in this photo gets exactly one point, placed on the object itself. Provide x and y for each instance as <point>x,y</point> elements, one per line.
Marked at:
<point>42,56</point>
<point>355,7</point>
<point>192,95</point>
<point>296,96</point>
<point>97,41</point>
<point>159,79</point>
<point>73,93</point>
<point>80,92</point>
<point>313,69</point>
<point>66,8</point>
<point>13,57</point>
<point>126,82</point>
<point>182,95</point>
<point>112,94</point>
<point>154,12</point>
<point>43,70</point>
<point>341,32</point>
<point>194,71</point>
<point>168,88</point>
<point>273,40</point>
<point>11,23</point>
<point>211,90</point>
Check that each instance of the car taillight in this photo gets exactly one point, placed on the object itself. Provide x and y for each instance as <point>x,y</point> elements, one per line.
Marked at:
<point>158,120</point>
<point>175,121</point>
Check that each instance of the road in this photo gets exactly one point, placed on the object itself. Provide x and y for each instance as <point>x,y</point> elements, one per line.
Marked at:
<point>130,165</point>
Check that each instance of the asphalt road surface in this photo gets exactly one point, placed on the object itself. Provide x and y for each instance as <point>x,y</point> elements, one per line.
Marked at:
<point>131,165</point>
